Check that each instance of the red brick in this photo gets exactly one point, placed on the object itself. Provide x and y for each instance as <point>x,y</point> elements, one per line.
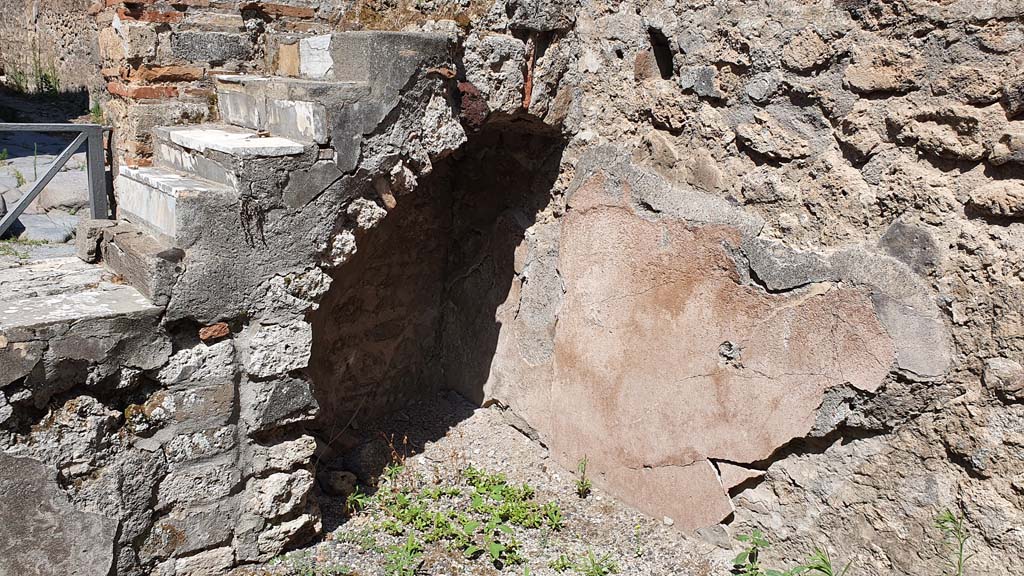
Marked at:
<point>214,331</point>
<point>152,74</point>
<point>199,92</point>
<point>280,10</point>
<point>149,15</point>
<point>142,92</point>
<point>137,161</point>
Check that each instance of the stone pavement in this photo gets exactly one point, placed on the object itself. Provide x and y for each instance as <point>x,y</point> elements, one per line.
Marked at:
<point>24,157</point>
<point>62,288</point>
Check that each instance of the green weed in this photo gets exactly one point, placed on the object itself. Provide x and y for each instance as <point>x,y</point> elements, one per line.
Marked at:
<point>492,510</point>
<point>820,563</point>
<point>955,536</point>
<point>19,177</point>
<point>4,155</point>
<point>561,564</point>
<point>404,559</point>
<point>306,564</point>
<point>8,249</point>
<point>592,565</point>
<point>583,485</point>
<point>748,562</point>
<point>553,515</point>
<point>96,113</point>
<point>356,501</point>
<point>17,79</point>
<point>364,539</point>
<point>392,471</point>
<point>46,77</point>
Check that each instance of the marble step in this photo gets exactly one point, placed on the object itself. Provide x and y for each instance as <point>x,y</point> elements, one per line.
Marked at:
<point>375,57</point>
<point>217,152</point>
<point>293,108</point>
<point>170,205</point>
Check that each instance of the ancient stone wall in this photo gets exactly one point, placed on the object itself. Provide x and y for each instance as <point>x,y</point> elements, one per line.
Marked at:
<point>775,282</point>
<point>770,279</point>
<point>49,46</point>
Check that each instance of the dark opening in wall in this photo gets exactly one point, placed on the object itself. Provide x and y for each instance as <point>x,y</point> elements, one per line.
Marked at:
<point>662,52</point>
<point>413,312</point>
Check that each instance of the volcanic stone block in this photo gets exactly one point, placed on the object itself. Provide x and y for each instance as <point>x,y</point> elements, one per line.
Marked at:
<point>41,534</point>
<point>212,47</point>
<point>149,266</point>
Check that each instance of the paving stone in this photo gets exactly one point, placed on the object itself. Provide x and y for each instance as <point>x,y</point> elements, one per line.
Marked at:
<point>42,228</point>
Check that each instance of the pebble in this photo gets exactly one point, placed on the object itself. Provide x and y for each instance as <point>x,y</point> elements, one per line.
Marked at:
<point>668,521</point>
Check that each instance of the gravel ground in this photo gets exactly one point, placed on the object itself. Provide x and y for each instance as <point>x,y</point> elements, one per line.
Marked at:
<point>444,437</point>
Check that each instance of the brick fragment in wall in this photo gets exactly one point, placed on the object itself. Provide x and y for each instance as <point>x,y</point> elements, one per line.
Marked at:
<point>154,16</point>
<point>214,331</point>
<point>280,10</point>
<point>142,92</point>
<point>153,73</point>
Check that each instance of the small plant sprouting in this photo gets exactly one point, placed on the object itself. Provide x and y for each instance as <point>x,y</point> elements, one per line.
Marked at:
<point>19,177</point>
<point>356,501</point>
<point>583,485</point>
<point>392,471</point>
<point>561,564</point>
<point>748,562</point>
<point>638,549</point>
<point>592,565</point>
<point>553,515</point>
<point>4,155</point>
<point>820,564</point>
<point>955,536</point>
<point>306,564</point>
<point>96,113</point>
<point>405,559</point>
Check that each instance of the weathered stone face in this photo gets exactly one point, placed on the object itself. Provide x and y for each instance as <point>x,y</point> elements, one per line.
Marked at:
<point>43,533</point>
<point>664,360</point>
<point>807,228</point>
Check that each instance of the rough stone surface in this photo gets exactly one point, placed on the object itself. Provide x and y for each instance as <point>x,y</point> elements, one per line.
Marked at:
<point>695,242</point>
<point>32,502</point>
<point>1005,377</point>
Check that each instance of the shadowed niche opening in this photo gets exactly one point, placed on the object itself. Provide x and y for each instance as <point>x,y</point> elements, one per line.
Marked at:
<point>662,49</point>
<point>412,313</point>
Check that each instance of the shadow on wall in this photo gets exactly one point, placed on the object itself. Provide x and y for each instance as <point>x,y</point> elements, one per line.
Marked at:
<point>413,313</point>
<point>52,106</point>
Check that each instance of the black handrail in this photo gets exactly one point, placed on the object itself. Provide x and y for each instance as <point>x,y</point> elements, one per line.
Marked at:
<point>89,134</point>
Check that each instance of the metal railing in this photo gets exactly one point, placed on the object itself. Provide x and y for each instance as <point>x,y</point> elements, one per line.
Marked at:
<point>91,135</point>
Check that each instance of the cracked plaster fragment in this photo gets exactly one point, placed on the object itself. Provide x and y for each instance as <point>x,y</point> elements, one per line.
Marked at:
<point>278,494</point>
<point>625,283</point>
<point>297,292</point>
